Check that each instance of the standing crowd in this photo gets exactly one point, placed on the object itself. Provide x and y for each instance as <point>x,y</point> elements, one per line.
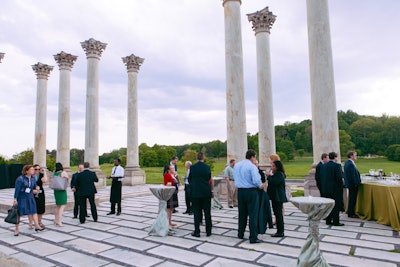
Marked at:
<point>249,188</point>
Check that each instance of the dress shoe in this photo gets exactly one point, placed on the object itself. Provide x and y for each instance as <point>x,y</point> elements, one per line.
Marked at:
<point>195,235</point>
<point>87,216</point>
<point>255,241</point>
<point>338,224</point>
<point>190,213</point>
<point>208,234</point>
<point>231,207</point>
<point>39,229</point>
<point>278,235</point>
<point>329,223</point>
<point>240,236</point>
<point>118,213</point>
<point>110,213</point>
<point>354,216</point>
<point>75,217</point>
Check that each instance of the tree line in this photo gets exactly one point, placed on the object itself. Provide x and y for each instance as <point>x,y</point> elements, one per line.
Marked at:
<point>362,133</point>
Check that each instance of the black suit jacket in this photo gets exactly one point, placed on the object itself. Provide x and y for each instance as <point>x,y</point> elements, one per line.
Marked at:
<point>276,187</point>
<point>332,180</point>
<point>200,180</point>
<point>352,177</point>
<point>318,175</point>
<point>85,183</point>
<point>73,179</point>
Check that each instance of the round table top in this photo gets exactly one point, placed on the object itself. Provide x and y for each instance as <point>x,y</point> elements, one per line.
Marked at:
<point>311,200</point>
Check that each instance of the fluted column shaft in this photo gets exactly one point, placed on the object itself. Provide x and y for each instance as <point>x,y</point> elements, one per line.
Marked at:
<point>93,51</point>
<point>39,152</point>
<point>65,62</point>
<point>325,130</point>
<point>235,98</point>
<point>262,22</point>
<point>133,173</point>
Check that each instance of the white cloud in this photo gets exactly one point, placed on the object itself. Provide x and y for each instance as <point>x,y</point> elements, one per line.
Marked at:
<point>181,84</point>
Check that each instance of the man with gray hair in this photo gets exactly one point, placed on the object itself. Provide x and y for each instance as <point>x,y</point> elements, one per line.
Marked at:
<point>230,184</point>
<point>188,201</point>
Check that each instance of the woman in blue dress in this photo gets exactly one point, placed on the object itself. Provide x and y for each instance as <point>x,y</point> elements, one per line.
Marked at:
<point>24,199</point>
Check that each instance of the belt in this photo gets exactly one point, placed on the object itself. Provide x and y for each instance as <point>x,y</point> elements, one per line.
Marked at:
<point>251,188</point>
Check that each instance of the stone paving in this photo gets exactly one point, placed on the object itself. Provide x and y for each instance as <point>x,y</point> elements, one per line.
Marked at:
<point>124,240</point>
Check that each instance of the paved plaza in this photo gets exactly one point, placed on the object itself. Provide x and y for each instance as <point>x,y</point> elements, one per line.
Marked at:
<point>124,240</point>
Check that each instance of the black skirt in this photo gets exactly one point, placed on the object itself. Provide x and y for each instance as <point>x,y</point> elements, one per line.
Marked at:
<point>173,201</point>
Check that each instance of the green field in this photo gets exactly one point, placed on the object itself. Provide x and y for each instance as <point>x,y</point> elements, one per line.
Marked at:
<point>296,169</point>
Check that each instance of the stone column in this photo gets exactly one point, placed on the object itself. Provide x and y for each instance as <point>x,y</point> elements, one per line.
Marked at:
<point>39,152</point>
<point>133,174</point>
<point>1,56</point>
<point>262,22</point>
<point>235,100</point>
<point>325,130</point>
<point>65,62</point>
<point>93,50</point>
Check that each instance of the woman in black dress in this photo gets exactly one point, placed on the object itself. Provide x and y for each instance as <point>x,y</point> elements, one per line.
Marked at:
<point>41,178</point>
<point>276,192</point>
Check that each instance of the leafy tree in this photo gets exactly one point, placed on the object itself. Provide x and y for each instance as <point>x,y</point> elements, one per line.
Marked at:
<point>392,152</point>
<point>25,157</point>
<point>300,152</point>
<point>76,156</point>
<point>285,146</point>
<point>345,143</point>
<point>189,155</point>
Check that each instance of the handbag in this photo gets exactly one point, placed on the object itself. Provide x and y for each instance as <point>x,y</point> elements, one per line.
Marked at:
<point>59,183</point>
<point>12,216</point>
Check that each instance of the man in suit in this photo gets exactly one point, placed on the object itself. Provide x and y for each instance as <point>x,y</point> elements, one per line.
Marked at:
<point>352,180</point>
<point>201,192</point>
<point>117,174</point>
<point>188,201</point>
<point>73,188</point>
<point>86,190</point>
<point>324,159</point>
<point>248,182</point>
<point>332,187</point>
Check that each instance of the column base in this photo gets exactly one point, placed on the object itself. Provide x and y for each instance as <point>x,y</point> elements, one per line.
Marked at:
<point>310,185</point>
<point>102,177</point>
<point>134,176</point>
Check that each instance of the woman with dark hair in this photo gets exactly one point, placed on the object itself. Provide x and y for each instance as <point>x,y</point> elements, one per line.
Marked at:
<point>172,203</point>
<point>41,178</point>
<point>276,192</point>
<point>60,196</point>
<point>25,188</point>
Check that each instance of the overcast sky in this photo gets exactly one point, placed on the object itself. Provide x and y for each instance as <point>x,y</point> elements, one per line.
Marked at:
<point>181,84</point>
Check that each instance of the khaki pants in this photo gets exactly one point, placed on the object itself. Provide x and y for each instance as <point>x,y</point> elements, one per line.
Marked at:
<point>232,193</point>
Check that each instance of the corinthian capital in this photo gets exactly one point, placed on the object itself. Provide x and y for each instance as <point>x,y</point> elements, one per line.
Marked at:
<point>262,20</point>
<point>133,62</point>
<point>65,61</point>
<point>1,56</point>
<point>42,70</point>
<point>93,48</point>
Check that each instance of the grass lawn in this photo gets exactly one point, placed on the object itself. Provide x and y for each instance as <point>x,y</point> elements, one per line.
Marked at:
<point>295,169</point>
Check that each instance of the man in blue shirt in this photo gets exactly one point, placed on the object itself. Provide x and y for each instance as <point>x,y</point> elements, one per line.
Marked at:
<point>248,182</point>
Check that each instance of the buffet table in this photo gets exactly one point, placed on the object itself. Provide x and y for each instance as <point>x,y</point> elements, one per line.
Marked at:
<point>379,202</point>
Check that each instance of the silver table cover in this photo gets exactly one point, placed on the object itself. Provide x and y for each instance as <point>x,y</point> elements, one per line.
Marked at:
<point>316,208</point>
<point>160,226</point>
<point>215,203</point>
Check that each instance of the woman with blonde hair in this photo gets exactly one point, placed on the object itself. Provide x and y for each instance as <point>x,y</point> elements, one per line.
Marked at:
<point>24,199</point>
<point>60,196</point>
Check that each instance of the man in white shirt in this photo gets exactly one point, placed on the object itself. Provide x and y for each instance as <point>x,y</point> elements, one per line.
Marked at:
<point>117,174</point>
<point>230,183</point>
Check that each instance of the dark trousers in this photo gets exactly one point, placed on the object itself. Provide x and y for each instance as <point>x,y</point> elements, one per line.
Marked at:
<point>333,217</point>
<point>82,212</point>
<point>187,198</point>
<point>119,208</point>
<point>76,204</point>
<point>352,200</point>
<point>248,207</point>
<point>277,207</point>
<point>199,205</point>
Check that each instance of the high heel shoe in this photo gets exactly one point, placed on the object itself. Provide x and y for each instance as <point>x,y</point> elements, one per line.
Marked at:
<point>59,224</point>
<point>16,233</point>
<point>39,229</point>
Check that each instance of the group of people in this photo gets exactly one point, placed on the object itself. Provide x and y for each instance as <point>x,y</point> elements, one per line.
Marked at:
<point>331,179</point>
<point>30,200</point>
<point>244,182</point>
